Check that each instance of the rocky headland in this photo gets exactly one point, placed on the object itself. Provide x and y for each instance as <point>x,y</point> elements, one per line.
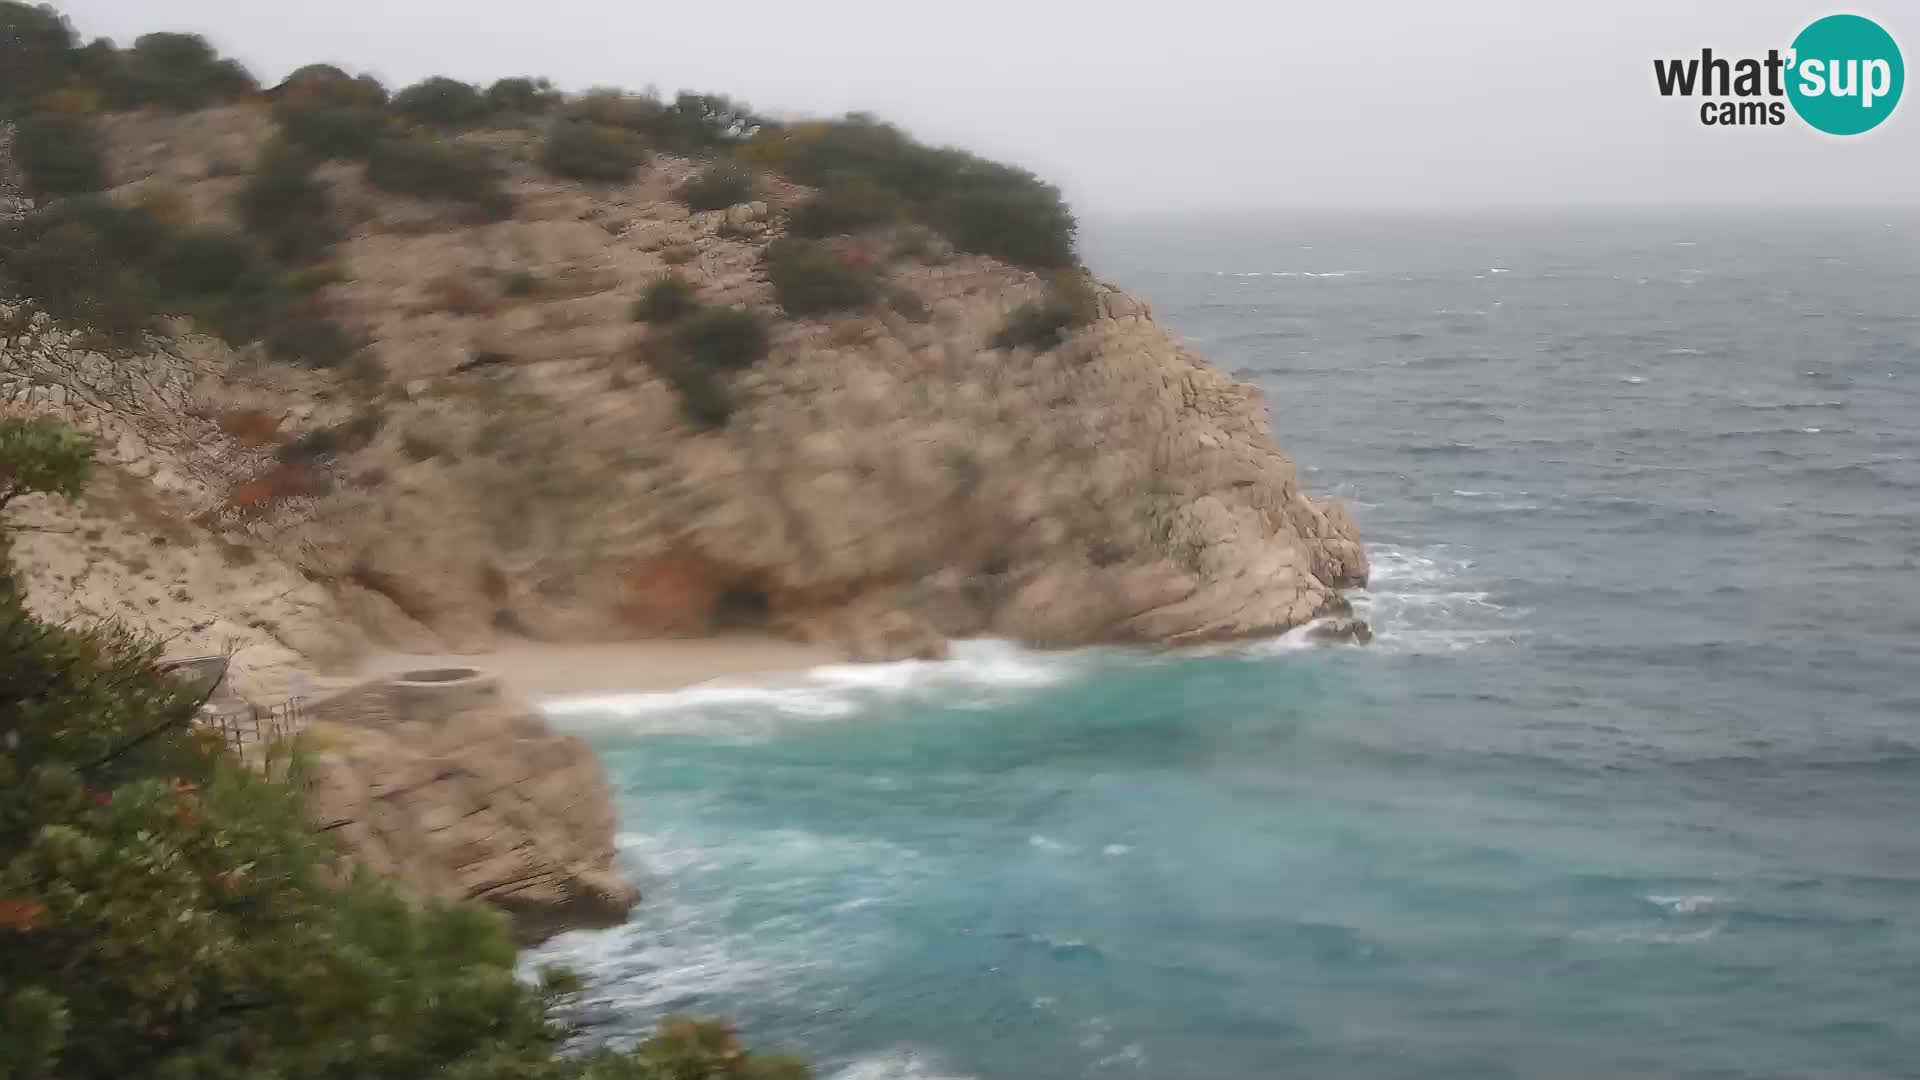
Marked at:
<point>509,444</point>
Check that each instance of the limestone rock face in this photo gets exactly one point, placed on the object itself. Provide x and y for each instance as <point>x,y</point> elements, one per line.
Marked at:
<point>454,791</point>
<point>1117,488</point>
<point>891,635</point>
<point>883,468</point>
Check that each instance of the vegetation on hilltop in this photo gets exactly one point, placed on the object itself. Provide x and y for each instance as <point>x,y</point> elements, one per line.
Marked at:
<point>165,911</point>
<point>118,268</point>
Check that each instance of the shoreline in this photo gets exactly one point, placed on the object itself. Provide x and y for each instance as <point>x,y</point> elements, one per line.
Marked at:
<point>541,671</point>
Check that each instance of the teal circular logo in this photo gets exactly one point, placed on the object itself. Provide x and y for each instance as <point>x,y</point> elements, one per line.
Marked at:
<point>1846,74</point>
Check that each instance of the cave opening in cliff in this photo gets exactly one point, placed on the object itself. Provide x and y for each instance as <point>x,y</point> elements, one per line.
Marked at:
<point>742,605</point>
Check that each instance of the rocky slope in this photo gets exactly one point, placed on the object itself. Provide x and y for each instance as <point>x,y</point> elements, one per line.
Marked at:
<point>889,478</point>
<point>455,792</point>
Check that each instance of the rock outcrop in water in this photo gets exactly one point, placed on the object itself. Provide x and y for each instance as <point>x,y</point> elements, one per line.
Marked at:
<point>889,478</point>
<point>456,792</point>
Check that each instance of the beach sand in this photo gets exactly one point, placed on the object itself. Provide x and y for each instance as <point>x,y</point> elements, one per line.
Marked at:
<point>542,670</point>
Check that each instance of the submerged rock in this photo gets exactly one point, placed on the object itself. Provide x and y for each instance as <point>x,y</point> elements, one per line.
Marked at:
<point>1340,630</point>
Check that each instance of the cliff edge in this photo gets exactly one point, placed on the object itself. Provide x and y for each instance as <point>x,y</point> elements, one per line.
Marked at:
<point>454,791</point>
<point>511,453</point>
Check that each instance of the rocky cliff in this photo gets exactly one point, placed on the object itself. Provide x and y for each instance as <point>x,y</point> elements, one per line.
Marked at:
<point>888,478</point>
<point>456,792</point>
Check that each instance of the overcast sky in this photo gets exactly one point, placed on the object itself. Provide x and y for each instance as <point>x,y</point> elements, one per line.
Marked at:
<point>1178,104</point>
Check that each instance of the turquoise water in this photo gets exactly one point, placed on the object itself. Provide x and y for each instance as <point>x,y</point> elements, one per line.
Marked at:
<point>1628,785</point>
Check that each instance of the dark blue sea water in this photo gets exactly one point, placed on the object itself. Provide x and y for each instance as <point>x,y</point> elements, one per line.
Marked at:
<point>1629,784</point>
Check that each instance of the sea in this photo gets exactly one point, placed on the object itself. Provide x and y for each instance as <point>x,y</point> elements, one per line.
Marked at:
<point>1627,785</point>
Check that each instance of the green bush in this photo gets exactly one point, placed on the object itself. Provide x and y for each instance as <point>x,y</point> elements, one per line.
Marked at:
<point>81,260</point>
<point>41,456</point>
<point>285,205</point>
<point>704,396</point>
<point>716,188</point>
<point>849,204</point>
<point>431,170</point>
<point>697,123</point>
<point>173,71</point>
<point>585,150</point>
<point>209,262</point>
<point>1042,325</point>
<point>36,53</point>
<point>113,269</point>
<point>60,154</point>
<point>811,278</point>
<point>304,333</point>
<point>325,84</point>
<point>731,339</point>
<point>1023,226</point>
<point>442,102</point>
<point>667,299</point>
<point>327,129</point>
<point>520,284</point>
<point>982,206</point>
<point>523,96</point>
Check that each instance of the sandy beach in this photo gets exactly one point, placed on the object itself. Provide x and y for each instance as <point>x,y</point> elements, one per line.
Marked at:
<point>543,670</point>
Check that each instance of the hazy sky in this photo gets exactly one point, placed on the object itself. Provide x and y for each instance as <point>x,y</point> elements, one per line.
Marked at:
<point>1168,105</point>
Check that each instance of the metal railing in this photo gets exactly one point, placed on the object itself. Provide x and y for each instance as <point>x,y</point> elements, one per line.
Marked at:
<point>250,730</point>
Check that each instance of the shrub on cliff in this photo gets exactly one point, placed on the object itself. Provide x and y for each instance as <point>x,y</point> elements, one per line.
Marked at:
<point>716,188</point>
<point>698,123</point>
<point>730,339</point>
<point>427,169</point>
<point>36,46</point>
<point>287,206</point>
<point>303,332</point>
<point>442,102</point>
<point>41,456</point>
<point>113,269</point>
<point>332,129</point>
<point>60,154</point>
<point>847,205</point>
<point>1026,226</point>
<point>523,96</point>
<point>82,260</point>
<point>811,278</point>
<point>173,71</point>
<point>982,206</point>
<point>1042,325</point>
<point>705,399</point>
<point>667,299</point>
<point>325,84</point>
<point>579,149</point>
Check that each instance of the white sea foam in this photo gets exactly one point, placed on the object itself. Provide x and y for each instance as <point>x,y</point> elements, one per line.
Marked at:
<point>1467,493</point>
<point>1644,936</point>
<point>1290,273</point>
<point>1687,905</point>
<point>1403,567</point>
<point>978,672</point>
<point>1423,601</point>
<point>900,1063</point>
<point>689,947</point>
